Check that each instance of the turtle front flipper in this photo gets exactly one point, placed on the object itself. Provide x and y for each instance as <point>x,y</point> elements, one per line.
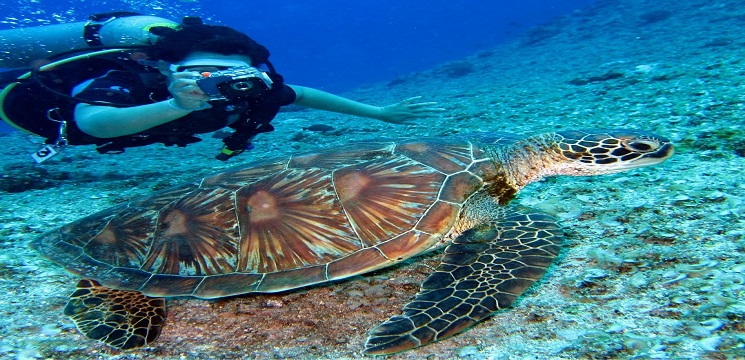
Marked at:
<point>484,270</point>
<point>119,318</point>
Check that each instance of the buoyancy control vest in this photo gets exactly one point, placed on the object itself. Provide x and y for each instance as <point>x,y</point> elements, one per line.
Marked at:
<point>39,101</point>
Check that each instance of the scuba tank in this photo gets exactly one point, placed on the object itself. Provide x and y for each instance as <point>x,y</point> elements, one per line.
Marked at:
<point>22,47</point>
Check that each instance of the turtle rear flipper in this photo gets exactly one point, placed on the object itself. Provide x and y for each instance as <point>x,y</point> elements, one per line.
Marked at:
<point>484,270</point>
<point>119,318</point>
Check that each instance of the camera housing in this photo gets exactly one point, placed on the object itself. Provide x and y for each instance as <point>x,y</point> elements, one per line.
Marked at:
<point>238,82</point>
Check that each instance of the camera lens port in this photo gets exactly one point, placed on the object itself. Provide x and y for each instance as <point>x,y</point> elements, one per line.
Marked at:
<point>242,86</point>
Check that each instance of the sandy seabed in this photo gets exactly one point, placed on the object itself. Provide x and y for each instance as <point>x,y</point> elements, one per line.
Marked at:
<point>654,264</point>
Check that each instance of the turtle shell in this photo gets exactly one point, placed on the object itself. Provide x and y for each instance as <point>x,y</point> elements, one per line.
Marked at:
<point>279,224</point>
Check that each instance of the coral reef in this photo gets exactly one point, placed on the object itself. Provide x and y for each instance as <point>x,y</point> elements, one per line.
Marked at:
<point>457,69</point>
<point>655,16</point>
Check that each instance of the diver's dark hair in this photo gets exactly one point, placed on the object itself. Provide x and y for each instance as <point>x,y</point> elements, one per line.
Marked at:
<point>175,44</point>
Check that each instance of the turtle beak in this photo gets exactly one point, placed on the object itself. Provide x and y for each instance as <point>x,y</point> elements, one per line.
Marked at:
<point>642,152</point>
<point>603,152</point>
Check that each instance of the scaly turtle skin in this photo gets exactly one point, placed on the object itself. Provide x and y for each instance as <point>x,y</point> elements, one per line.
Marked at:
<point>292,222</point>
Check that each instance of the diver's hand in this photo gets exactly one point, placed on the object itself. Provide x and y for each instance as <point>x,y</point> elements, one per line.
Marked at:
<point>405,111</point>
<point>186,93</point>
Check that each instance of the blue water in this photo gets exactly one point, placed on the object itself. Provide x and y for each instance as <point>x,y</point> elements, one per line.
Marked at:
<point>334,45</point>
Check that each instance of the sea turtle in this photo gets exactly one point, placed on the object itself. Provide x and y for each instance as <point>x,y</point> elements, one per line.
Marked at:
<point>292,222</point>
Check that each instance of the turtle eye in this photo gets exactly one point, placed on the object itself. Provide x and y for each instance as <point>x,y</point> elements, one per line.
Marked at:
<point>641,145</point>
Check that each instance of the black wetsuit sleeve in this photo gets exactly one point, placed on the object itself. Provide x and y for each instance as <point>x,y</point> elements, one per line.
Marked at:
<point>263,109</point>
<point>285,95</point>
<point>119,88</point>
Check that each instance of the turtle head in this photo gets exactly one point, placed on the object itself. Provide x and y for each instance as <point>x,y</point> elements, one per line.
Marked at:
<point>595,152</point>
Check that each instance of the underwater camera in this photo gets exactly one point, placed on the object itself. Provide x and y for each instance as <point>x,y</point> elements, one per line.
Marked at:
<point>238,82</point>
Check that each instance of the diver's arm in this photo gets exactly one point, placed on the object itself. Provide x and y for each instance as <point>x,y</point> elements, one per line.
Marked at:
<point>399,113</point>
<point>321,100</point>
<point>108,122</point>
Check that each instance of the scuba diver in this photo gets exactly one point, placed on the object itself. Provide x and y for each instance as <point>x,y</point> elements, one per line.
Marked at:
<point>188,79</point>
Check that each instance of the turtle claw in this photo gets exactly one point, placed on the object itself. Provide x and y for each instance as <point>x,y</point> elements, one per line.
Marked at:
<point>396,334</point>
<point>122,319</point>
<point>483,271</point>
